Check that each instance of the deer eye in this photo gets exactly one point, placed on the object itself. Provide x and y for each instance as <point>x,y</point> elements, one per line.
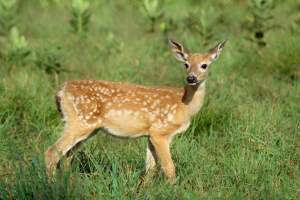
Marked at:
<point>186,65</point>
<point>204,66</point>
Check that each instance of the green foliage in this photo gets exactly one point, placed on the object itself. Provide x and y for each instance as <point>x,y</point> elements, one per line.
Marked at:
<point>49,59</point>
<point>203,22</point>
<point>46,3</point>
<point>80,18</point>
<point>16,49</point>
<point>295,26</point>
<point>244,143</point>
<point>113,45</point>
<point>152,8</point>
<point>8,13</point>
<point>153,11</point>
<point>262,21</point>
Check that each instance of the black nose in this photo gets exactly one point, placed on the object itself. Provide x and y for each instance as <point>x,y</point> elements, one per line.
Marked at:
<point>191,79</point>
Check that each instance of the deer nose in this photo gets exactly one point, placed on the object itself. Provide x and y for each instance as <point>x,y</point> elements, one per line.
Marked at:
<point>191,79</point>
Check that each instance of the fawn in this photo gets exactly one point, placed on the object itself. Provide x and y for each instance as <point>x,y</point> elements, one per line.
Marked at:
<point>128,110</point>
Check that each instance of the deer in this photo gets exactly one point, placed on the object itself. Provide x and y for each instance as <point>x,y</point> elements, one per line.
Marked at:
<point>131,110</point>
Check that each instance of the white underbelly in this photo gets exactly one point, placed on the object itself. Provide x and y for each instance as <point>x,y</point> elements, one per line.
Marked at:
<point>125,126</point>
<point>122,133</point>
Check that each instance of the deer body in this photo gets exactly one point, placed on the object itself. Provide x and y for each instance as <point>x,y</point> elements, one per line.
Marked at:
<point>128,110</point>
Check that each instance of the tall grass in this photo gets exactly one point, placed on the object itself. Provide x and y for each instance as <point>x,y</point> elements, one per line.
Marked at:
<point>244,143</point>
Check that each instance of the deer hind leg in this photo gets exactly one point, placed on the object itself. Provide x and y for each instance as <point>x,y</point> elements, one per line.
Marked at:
<point>161,145</point>
<point>151,161</point>
<point>151,157</point>
<point>72,135</point>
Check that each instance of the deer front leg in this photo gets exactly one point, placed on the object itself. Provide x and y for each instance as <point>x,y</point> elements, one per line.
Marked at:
<point>162,148</point>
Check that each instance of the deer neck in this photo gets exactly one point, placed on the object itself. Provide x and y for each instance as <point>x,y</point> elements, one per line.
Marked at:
<point>193,97</point>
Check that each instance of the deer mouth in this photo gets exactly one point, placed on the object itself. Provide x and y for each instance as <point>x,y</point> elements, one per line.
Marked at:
<point>198,82</point>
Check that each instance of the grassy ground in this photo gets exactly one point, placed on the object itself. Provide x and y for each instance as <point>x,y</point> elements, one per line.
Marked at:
<point>244,143</point>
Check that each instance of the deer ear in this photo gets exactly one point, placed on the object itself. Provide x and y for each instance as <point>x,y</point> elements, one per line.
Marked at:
<point>178,50</point>
<point>216,51</point>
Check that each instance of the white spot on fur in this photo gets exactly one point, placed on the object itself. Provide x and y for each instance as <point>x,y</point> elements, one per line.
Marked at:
<point>118,112</point>
<point>170,117</point>
<point>157,111</point>
<point>152,116</point>
<point>144,109</point>
<point>174,106</point>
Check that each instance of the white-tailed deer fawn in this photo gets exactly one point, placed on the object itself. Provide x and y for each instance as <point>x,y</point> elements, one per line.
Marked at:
<point>129,110</point>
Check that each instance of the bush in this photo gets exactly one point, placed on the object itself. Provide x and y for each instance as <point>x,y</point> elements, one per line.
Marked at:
<point>8,13</point>
<point>80,18</point>
<point>16,49</point>
<point>49,59</point>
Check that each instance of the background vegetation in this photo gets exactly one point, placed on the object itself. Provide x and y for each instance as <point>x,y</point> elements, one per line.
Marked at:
<point>245,142</point>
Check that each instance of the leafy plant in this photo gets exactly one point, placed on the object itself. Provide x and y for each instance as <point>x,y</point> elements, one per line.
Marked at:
<point>295,26</point>
<point>152,10</point>
<point>46,3</point>
<point>201,22</point>
<point>49,59</point>
<point>80,16</point>
<point>113,45</point>
<point>8,13</point>
<point>16,48</point>
<point>261,21</point>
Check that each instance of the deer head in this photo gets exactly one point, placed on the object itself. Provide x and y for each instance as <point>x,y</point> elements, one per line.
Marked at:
<point>196,64</point>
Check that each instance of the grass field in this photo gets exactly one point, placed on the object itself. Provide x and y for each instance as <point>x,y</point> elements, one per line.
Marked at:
<point>244,143</point>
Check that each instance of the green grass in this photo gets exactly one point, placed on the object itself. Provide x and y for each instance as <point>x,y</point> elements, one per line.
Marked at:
<point>244,143</point>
